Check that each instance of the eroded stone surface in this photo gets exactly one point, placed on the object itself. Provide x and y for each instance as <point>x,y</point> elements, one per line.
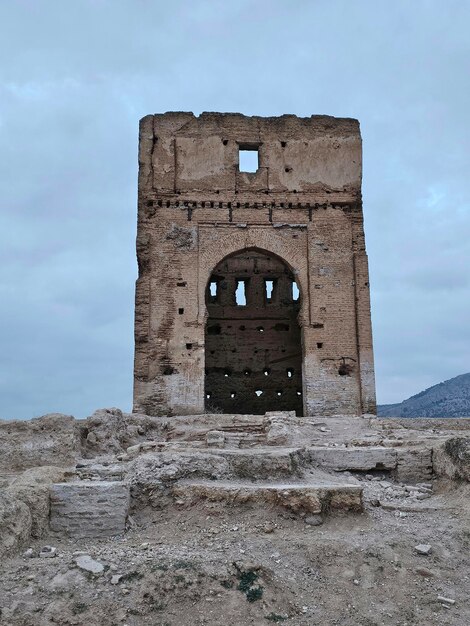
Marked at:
<point>15,524</point>
<point>452,458</point>
<point>47,440</point>
<point>319,495</point>
<point>32,488</point>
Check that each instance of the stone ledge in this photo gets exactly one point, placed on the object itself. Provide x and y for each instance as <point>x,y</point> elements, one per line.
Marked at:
<point>313,497</point>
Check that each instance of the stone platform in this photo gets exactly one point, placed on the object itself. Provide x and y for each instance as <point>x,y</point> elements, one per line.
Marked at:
<point>303,465</point>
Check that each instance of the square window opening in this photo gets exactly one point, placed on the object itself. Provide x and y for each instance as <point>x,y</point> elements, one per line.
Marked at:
<point>295,291</point>
<point>248,160</point>
<point>213,289</point>
<point>269,288</point>
<point>240,293</point>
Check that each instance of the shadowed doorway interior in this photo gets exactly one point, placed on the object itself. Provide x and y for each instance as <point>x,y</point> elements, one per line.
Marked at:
<point>253,353</point>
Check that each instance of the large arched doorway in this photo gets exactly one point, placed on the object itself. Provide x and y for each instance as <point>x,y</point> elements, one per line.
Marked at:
<point>252,340</point>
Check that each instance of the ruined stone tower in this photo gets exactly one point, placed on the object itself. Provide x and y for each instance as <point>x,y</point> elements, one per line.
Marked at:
<point>253,288</point>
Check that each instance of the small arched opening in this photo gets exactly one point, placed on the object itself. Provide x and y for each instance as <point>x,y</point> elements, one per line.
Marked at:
<point>253,353</point>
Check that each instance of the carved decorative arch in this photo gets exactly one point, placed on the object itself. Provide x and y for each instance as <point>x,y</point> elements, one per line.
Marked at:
<point>276,242</point>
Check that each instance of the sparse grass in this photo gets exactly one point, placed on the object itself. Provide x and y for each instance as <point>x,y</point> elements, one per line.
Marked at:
<point>247,579</point>
<point>255,593</point>
<point>161,567</point>
<point>133,611</point>
<point>246,584</point>
<point>79,607</point>
<point>275,617</point>
<point>130,576</point>
<point>185,582</point>
<point>182,564</point>
<point>227,584</point>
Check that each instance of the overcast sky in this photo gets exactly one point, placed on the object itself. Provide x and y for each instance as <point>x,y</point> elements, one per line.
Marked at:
<point>76,76</point>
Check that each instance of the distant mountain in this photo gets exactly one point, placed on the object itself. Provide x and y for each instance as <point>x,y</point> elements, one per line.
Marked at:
<point>448,399</point>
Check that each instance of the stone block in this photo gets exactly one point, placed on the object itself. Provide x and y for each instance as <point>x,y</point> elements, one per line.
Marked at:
<point>452,458</point>
<point>215,439</point>
<point>89,508</point>
<point>414,465</point>
<point>355,459</point>
<point>262,464</point>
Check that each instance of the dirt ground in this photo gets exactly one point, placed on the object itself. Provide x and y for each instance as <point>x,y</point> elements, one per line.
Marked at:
<point>213,565</point>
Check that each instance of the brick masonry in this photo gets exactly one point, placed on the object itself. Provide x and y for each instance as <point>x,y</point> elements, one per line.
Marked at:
<point>297,218</point>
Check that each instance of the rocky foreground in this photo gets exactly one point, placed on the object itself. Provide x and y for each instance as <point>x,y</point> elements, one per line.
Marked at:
<point>226,519</point>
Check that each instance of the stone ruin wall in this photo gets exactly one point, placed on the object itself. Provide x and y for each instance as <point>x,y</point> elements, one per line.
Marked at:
<point>300,214</point>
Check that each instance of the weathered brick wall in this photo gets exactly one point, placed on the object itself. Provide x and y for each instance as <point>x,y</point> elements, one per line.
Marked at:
<point>303,205</point>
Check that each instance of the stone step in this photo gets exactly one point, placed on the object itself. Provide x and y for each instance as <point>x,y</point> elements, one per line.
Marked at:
<point>89,508</point>
<point>98,471</point>
<point>270,462</point>
<point>408,463</point>
<point>275,462</point>
<point>262,463</point>
<point>365,458</point>
<point>226,438</point>
<point>319,495</point>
